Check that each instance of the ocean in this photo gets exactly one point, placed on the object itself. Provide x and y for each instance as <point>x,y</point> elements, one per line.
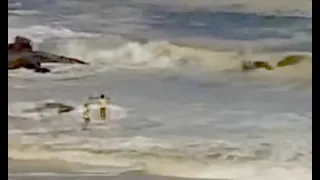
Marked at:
<point>181,106</point>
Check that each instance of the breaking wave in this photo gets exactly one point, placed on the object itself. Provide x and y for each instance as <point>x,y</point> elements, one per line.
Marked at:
<point>166,55</point>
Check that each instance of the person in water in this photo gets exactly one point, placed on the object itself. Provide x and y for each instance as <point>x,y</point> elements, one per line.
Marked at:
<point>104,107</point>
<point>86,116</point>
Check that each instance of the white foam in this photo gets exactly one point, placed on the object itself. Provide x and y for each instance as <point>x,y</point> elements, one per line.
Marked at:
<point>164,163</point>
<point>25,12</point>
<point>39,33</point>
<point>17,109</point>
<point>164,55</point>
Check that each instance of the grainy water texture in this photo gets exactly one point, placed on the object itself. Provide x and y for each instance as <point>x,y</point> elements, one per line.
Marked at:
<point>181,107</point>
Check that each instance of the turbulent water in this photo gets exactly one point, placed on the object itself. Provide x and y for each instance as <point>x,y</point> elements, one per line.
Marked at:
<point>181,105</point>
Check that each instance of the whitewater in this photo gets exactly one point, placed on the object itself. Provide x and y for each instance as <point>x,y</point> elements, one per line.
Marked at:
<point>181,106</point>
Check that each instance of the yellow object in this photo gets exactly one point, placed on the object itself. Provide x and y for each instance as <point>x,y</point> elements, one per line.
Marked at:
<point>290,60</point>
<point>86,112</point>
<point>104,111</point>
<point>103,102</point>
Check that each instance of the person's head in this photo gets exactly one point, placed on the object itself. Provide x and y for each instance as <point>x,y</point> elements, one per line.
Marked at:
<point>102,96</point>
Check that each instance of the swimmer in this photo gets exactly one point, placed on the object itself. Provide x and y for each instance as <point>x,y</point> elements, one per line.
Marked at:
<point>104,109</point>
<point>86,116</point>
